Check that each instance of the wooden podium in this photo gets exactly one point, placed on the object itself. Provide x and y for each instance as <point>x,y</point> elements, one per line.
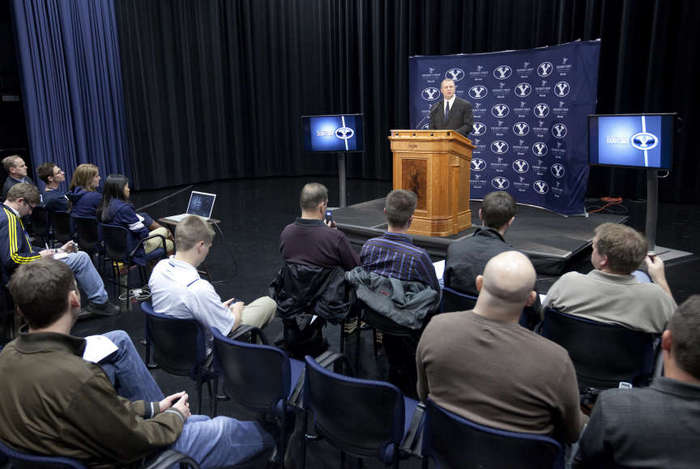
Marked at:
<point>435,164</point>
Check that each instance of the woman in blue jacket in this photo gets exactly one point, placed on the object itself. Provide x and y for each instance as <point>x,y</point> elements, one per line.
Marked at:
<point>83,191</point>
<point>115,209</point>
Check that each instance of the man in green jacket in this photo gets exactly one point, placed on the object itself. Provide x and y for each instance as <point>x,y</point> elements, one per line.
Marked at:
<point>57,403</point>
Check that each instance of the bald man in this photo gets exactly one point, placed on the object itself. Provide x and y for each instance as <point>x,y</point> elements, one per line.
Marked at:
<point>482,365</point>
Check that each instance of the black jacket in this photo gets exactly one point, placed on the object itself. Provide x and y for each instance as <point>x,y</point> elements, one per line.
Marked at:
<point>460,117</point>
<point>301,288</point>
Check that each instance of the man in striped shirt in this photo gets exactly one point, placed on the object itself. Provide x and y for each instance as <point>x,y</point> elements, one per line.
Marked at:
<point>394,254</point>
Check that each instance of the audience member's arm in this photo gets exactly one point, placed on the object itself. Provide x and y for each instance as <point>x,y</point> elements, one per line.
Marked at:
<point>429,268</point>
<point>422,383</point>
<point>98,414</point>
<point>208,308</point>
<point>572,419</point>
<point>349,258</point>
<point>593,449</point>
<point>655,267</point>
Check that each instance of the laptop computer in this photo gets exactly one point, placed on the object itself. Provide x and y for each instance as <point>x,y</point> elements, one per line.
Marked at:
<point>201,203</point>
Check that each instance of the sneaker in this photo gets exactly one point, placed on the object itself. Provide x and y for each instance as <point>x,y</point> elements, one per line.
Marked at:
<point>104,309</point>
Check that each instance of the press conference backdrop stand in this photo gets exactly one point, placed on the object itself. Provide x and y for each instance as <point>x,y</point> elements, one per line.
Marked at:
<point>342,199</point>
<point>666,254</point>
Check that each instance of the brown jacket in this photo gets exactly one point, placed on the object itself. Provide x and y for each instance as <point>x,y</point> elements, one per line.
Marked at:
<point>55,403</point>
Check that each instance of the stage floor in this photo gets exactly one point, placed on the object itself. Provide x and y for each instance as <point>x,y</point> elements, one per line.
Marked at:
<point>552,241</point>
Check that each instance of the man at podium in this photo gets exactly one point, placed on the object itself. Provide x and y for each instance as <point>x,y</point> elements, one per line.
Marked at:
<point>451,112</point>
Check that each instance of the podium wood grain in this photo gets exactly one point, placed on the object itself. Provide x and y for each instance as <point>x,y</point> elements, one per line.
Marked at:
<point>435,164</point>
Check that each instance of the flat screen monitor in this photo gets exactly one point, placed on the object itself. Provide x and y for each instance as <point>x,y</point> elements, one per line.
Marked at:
<point>333,133</point>
<point>631,140</point>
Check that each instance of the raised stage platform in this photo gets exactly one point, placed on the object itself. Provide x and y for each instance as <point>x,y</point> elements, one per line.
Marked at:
<point>552,241</point>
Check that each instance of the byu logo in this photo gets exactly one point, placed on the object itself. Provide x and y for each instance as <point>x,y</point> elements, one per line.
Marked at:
<point>499,147</point>
<point>521,166</point>
<point>479,68</point>
<point>500,183</point>
<point>500,123</point>
<point>562,88</point>
<point>456,74</point>
<point>564,60</point>
<point>644,141</point>
<point>557,170</point>
<point>426,126</point>
<point>500,110</point>
<point>431,70</point>
<point>523,90</point>
<point>525,64</point>
<point>478,91</point>
<point>559,130</point>
<point>545,69</point>
<point>521,129</point>
<point>502,72</point>
<point>478,164</point>
<point>539,149</point>
<point>561,104</point>
<point>344,133</point>
<point>430,93</point>
<point>541,110</point>
<point>540,187</point>
<point>479,128</point>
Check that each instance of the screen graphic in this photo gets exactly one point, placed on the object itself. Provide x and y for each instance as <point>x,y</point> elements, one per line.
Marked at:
<point>341,132</point>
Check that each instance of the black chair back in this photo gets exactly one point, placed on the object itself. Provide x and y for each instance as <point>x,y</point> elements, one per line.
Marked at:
<point>40,224</point>
<point>242,366</point>
<point>87,233</point>
<point>361,417</point>
<point>453,300</point>
<point>21,460</point>
<point>452,441</point>
<point>603,354</point>
<point>62,226</point>
<point>178,344</point>
<point>115,240</point>
<point>384,324</point>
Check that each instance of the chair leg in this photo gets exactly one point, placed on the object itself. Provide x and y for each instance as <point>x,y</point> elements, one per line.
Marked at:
<point>283,438</point>
<point>215,400</point>
<point>304,428</point>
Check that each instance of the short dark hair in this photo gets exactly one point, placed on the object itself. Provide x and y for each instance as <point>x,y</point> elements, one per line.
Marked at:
<point>312,194</point>
<point>45,170</point>
<point>25,191</point>
<point>40,291</point>
<point>191,230</point>
<point>625,247</point>
<point>685,335</point>
<point>497,209</point>
<point>400,205</point>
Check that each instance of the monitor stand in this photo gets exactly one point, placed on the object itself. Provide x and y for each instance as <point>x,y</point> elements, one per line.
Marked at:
<point>666,254</point>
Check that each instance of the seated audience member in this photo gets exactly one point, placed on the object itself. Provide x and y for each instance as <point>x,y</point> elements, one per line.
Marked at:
<point>610,293</point>
<point>656,426</point>
<point>115,209</point>
<point>16,170</point>
<point>59,404</point>
<point>310,241</point>
<point>312,280</point>
<point>15,249</point>
<point>83,191</point>
<point>467,258</point>
<point>53,198</point>
<point>394,256</point>
<point>482,365</point>
<point>177,289</point>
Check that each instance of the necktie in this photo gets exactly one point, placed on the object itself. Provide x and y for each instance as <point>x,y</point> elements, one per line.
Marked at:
<point>447,110</point>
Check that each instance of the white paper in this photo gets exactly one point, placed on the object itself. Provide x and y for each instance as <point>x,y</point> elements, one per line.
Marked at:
<point>439,268</point>
<point>98,347</point>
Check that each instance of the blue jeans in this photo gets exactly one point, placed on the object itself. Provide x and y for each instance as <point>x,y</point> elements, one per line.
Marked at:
<point>222,441</point>
<point>126,371</point>
<point>86,275</point>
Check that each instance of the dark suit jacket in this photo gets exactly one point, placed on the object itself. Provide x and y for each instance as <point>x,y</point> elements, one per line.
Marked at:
<point>459,119</point>
<point>658,427</point>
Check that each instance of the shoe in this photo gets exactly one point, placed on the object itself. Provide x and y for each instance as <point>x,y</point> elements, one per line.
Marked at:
<point>84,314</point>
<point>104,309</point>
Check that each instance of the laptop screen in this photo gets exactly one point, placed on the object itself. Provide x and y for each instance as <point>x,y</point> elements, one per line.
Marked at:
<point>201,204</point>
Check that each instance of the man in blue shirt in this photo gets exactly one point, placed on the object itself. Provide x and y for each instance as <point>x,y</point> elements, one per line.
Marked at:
<point>53,198</point>
<point>394,254</point>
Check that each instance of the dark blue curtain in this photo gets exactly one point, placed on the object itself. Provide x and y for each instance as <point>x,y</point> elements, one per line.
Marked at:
<point>71,77</point>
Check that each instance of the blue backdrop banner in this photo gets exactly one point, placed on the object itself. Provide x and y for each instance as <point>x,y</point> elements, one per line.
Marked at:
<point>530,109</point>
